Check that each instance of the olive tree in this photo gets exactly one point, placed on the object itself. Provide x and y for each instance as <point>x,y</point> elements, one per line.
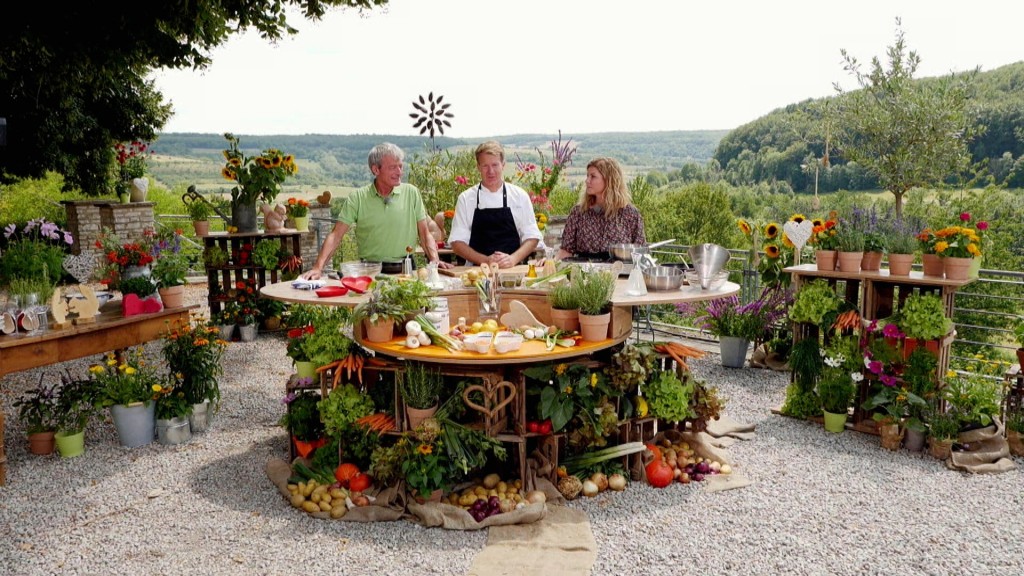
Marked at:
<point>70,90</point>
<point>908,134</point>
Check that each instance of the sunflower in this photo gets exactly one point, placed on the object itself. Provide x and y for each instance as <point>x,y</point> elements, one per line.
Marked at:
<point>771,251</point>
<point>744,227</point>
<point>771,230</point>
<point>787,242</point>
<point>818,222</point>
<point>798,218</point>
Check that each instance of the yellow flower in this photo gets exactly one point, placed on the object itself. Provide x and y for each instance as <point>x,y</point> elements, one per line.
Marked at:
<point>744,227</point>
<point>973,249</point>
<point>97,369</point>
<point>111,362</point>
<point>771,251</point>
<point>787,242</point>
<point>818,222</point>
<point>798,218</point>
<point>941,246</point>
<point>568,389</point>
<point>130,370</point>
<point>425,449</point>
<point>771,230</point>
<point>157,388</point>
<point>560,369</point>
<point>593,379</point>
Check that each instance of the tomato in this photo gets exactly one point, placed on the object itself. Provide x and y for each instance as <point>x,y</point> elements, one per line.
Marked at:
<point>659,473</point>
<point>532,426</point>
<point>545,427</point>
<point>361,482</point>
<point>344,473</point>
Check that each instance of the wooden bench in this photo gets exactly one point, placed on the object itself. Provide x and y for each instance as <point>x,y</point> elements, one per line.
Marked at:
<point>111,331</point>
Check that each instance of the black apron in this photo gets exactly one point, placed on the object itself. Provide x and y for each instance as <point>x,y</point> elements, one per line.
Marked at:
<point>494,229</point>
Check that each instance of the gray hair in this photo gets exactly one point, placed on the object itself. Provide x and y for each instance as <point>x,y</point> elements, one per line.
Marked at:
<point>383,150</point>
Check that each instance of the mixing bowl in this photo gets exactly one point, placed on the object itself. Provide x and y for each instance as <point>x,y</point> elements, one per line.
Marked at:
<point>357,268</point>
<point>663,278</point>
<point>714,282</point>
<point>625,252</point>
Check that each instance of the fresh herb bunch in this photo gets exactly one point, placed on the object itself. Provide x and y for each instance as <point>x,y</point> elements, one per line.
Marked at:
<point>141,286</point>
<point>593,291</point>
<point>266,254</point>
<point>342,407</point>
<point>393,298</point>
<point>850,239</point>
<point>899,242</point>
<point>199,210</point>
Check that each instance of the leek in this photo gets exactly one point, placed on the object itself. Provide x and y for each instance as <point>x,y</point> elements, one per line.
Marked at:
<point>580,462</point>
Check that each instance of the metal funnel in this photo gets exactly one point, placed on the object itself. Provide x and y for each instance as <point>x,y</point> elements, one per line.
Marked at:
<point>708,259</point>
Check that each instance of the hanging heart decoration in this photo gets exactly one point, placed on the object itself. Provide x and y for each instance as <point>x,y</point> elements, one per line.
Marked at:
<point>798,232</point>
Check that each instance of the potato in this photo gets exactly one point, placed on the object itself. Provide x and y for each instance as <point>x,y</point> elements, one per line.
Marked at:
<point>315,497</point>
<point>491,480</point>
<point>480,491</point>
<point>310,507</point>
<point>298,500</point>
<point>337,494</point>
<point>325,506</point>
<point>293,488</point>
<point>308,489</point>
<point>502,486</point>
<point>338,511</point>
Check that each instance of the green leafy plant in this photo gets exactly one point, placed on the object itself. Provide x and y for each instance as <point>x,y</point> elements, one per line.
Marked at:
<point>919,375</point>
<point>874,241</point>
<point>141,286</point>
<point>199,210</point>
<point>76,403</point>
<point>972,398</point>
<point>806,363</point>
<point>813,301</point>
<point>420,386</point>
<point>576,400</point>
<point>302,415</point>
<point>1018,332</point>
<point>393,298</point>
<point>849,239</point>
<point>343,406</point>
<point>923,316</point>
<point>900,242</point>
<point>840,375</point>
<point>328,341</point>
<point>943,426</point>
<point>37,408</point>
<point>171,269</point>
<point>266,254</point>
<point>669,396</point>
<point>215,256</point>
<point>36,251</point>
<point>1015,420</point>
<point>593,291</point>
<point>23,288</point>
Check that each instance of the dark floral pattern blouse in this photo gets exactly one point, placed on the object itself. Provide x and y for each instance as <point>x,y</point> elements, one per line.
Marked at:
<point>590,232</point>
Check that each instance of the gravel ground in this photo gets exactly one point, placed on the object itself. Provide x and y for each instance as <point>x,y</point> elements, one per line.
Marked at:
<point>819,503</point>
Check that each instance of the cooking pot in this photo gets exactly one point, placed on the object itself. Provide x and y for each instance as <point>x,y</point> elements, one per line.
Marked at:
<point>625,251</point>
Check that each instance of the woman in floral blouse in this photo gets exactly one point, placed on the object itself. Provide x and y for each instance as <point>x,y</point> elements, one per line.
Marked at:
<point>603,216</point>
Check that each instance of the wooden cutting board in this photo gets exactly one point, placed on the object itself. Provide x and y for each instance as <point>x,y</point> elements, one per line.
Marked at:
<point>458,270</point>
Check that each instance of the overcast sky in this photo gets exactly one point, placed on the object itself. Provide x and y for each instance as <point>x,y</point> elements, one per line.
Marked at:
<point>580,66</point>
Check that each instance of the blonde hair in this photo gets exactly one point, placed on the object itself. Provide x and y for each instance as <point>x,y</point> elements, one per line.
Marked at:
<point>490,147</point>
<point>616,193</point>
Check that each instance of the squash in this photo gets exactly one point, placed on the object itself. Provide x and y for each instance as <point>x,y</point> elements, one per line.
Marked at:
<point>659,473</point>
<point>344,473</point>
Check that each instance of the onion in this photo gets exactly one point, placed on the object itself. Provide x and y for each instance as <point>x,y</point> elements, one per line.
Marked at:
<point>600,480</point>
<point>412,341</point>
<point>589,488</point>
<point>413,328</point>
<point>725,469</point>
<point>617,482</point>
<point>424,337</point>
<point>536,497</point>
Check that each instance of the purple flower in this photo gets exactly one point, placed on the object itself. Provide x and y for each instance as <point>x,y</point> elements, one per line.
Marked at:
<point>288,398</point>
<point>9,230</point>
<point>888,379</point>
<point>875,367</point>
<point>892,331</point>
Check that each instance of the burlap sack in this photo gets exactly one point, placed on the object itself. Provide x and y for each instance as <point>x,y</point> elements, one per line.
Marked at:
<point>389,504</point>
<point>982,451</point>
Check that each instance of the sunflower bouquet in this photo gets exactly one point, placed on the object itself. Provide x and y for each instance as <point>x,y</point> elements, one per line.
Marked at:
<point>825,234</point>
<point>779,253</point>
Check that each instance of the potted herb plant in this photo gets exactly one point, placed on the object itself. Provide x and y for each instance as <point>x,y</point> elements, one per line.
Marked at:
<point>593,290</point>
<point>37,411</point>
<point>901,247</point>
<point>302,421</point>
<point>919,375</point>
<point>850,243</point>
<point>874,249</point>
<point>565,308</point>
<point>737,324</point>
<point>170,271</point>
<point>838,381</point>
<point>420,388</point>
<point>391,300</point>
<point>973,399</point>
<point>199,211</point>
<point>943,429</point>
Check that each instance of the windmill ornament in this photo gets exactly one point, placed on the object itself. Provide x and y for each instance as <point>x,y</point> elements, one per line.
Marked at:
<point>431,115</point>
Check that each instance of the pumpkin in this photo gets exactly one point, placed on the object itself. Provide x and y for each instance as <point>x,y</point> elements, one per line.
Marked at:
<point>344,473</point>
<point>360,482</point>
<point>659,473</point>
<point>654,450</point>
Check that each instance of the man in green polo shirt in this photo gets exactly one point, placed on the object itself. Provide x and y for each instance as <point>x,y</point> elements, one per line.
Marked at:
<point>388,216</point>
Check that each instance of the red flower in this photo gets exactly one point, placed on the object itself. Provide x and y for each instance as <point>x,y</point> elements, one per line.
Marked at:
<point>965,216</point>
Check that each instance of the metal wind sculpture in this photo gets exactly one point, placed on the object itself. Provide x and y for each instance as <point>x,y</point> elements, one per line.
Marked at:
<point>431,115</point>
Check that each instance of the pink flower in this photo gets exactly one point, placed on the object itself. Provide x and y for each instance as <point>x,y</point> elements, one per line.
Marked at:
<point>461,180</point>
<point>875,367</point>
<point>891,331</point>
<point>965,216</point>
<point>888,379</point>
<point>983,225</point>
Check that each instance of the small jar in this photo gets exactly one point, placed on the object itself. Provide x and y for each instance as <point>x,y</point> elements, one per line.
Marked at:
<point>439,315</point>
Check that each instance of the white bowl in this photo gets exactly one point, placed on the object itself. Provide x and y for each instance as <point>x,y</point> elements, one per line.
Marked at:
<point>507,342</point>
<point>479,342</point>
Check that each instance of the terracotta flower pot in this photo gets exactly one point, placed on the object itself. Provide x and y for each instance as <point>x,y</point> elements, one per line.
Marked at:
<point>825,259</point>
<point>850,261</point>
<point>41,443</point>
<point>932,265</point>
<point>594,328</point>
<point>871,261</point>
<point>173,296</point>
<point>957,268</point>
<point>900,264</point>
<point>382,331</point>
<point>202,227</point>
<point>566,319</point>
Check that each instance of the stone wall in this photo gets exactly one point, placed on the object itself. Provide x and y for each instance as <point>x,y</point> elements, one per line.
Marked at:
<point>310,242</point>
<point>88,218</point>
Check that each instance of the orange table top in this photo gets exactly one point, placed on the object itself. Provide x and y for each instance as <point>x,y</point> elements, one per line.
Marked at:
<point>531,351</point>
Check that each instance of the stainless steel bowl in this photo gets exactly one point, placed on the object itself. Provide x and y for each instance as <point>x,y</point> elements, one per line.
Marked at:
<point>714,281</point>
<point>660,278</point>
<point>625,252</point>
<point>357,268</point>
